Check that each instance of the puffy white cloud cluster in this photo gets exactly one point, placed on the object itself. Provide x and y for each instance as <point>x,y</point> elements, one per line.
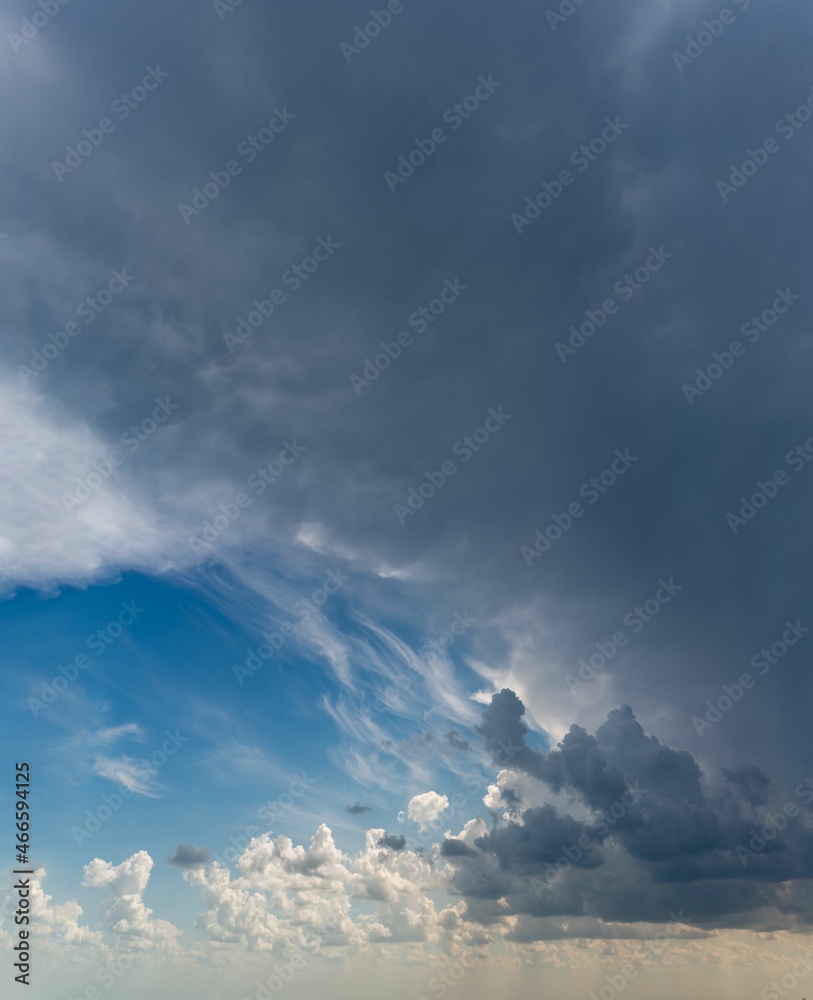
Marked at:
<point>125,914</point>
<point>59,923</point>
<point>125,923</point>
<point>383,874</point>
<point>234,914</point>
<point>470,833</point>
<point>512,792</point>
<point>424,809</point>
<point>291,895</point>
<point>292,898</point>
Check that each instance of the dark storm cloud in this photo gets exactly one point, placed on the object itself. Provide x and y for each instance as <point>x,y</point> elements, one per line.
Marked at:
<point>323,176</point>
<point>752,784</point>
<point>495,345</point>
<point>666,844</point>
<point>536,840</point>
<point>357,809</point>
<point>189,856</point>
<point>511,797</point>
<point>663,812</point>
<point>393,841</point>
<point>456,741</point>
<point>578,765</point>
<point>454,848</point>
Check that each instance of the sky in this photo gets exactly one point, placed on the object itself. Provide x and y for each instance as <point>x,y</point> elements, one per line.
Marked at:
<point>407,459</point>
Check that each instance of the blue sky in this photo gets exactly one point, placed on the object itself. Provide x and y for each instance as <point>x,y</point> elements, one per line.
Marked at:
<point>178,668</point>
<point>404,560</point>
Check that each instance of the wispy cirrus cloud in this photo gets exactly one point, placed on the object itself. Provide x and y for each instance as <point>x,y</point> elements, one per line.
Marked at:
<point>135,774</point>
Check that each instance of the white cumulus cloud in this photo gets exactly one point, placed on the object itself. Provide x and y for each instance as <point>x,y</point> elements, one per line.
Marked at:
<point>424,809</point>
